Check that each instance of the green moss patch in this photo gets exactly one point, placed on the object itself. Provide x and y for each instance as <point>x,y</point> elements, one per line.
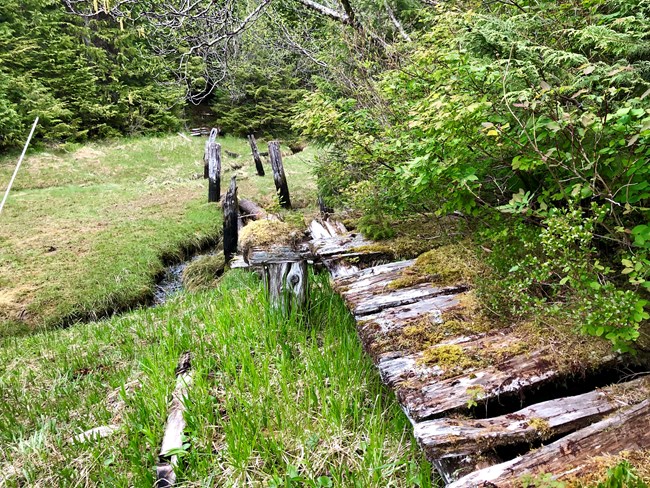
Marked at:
<point>447,265</point>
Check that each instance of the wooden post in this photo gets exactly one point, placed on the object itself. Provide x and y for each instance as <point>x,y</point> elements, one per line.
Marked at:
<point>214,173</point>
<point>256,155</point>
<point>230,220</point>
<point>206,159</point>
<point>278,174</point>
<point>284,270</point>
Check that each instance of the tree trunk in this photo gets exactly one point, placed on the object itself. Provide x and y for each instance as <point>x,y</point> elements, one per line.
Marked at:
<point>230,220</point>
<point>278,174</point>
<point>256,155</point>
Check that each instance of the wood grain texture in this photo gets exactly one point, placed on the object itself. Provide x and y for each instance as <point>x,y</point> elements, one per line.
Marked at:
<point>627,429</point>
<point>458,437</point>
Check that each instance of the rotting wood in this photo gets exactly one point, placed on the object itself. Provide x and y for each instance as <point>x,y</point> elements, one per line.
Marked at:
<point>214,172</point>
<point>95,433</point>
<point>251,210</point>
<point>280,179</point>
<point>206,153</point>
<point>230,220</point>
<point>173,434</point>
<point>458,437</point>
<point>259,256</point>
<point>425,395</point>
<point>256,155</point>
<point>627,429</point>
<point>286,283</point>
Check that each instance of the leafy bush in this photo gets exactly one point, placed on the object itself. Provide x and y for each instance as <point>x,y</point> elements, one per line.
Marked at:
<point>534,116</point>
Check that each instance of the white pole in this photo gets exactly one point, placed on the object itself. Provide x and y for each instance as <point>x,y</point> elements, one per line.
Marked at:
<point>22,156</point>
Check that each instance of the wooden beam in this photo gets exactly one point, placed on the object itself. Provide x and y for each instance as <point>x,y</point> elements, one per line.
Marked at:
<point>214,172</point>
<point>459,437</point>
<point>627,429</point>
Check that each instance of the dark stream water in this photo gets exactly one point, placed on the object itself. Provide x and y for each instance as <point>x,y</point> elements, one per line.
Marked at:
<point>172,280</point>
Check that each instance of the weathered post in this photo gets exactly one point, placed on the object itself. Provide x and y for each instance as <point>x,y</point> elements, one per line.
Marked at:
<point>214,173</point>
<point>256,155</point>
<point>206,161</point>
<point>285,276</point>
<point>230,220</point>
<point>275,156</point>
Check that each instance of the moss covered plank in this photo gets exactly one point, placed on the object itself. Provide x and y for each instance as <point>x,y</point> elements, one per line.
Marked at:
<point>448,437</point>
<point>425,393</point>
<point>627,429</point>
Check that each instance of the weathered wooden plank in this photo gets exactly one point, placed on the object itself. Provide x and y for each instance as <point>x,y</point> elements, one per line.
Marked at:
<point>173,434</point>
<point>367,302</point>
<point>258,256</point>
<point>95,433</point>
<point>627,429</point>
<point>425,395</point>
<point>378,270</point>
<point>458,437</point>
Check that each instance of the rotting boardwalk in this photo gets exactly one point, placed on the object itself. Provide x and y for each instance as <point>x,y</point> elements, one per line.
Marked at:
<point>493,443</point>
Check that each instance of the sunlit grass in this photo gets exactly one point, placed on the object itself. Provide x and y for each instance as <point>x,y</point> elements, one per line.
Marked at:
<point>86,232</point>
<point>276,401</point>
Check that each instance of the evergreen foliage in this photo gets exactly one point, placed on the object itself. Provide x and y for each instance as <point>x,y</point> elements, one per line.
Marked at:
<point>531,115</point>
<point>83,78</point>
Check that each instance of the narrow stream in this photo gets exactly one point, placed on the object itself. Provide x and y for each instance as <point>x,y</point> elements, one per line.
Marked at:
<point>172,280</point>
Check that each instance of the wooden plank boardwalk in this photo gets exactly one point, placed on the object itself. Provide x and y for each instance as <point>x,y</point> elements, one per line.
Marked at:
<point>468,450</point>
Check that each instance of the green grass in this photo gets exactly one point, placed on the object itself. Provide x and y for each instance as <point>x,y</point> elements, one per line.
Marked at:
<point>87,232</point>
<point>275,401</point>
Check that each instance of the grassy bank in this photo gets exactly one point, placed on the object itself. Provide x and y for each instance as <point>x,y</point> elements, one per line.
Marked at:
<point>87,231</point>
<point>275,402</point>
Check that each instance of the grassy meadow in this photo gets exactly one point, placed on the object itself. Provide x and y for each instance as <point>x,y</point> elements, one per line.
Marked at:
<point>275,401</point>
<point>87,230</point>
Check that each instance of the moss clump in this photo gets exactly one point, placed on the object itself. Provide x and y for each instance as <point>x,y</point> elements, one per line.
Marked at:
<point>451,358</point>
<point>203,273</point>
<point>541,426</point>
<point>452,264</point>
<point>267,232</point>
<point>418,335</point>
<point>467,318</point>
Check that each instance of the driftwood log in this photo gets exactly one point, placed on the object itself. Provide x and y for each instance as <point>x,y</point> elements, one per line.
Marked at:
<point>275,157</point>
<point>230,220</point>
<point>256,155</point>
<point>173,435</point>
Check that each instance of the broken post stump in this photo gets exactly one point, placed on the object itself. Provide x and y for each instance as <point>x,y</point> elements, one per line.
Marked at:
<point>230,220</point>
<point>256,155</point>
<point>284,272</point>
<point>214,172</point>
<point>275,156</point>
<point>173,435</point>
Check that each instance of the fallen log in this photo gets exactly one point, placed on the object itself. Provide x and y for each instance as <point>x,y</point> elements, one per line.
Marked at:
<point>249,209</point>
<point>173,435</point>
<point>627,429</point>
